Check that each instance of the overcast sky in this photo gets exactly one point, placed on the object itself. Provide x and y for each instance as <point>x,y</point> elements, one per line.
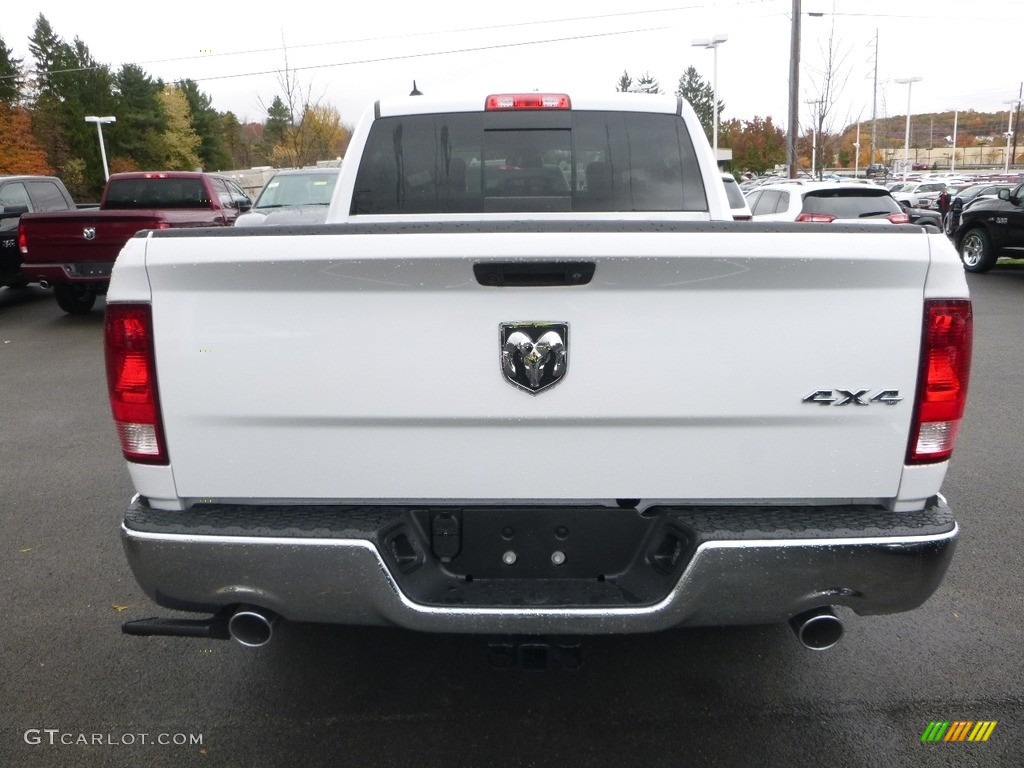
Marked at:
<point>350,54</point>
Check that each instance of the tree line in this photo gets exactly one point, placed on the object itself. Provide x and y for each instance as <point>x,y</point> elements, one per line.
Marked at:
<point>758,145</point>
<point>160,125</point>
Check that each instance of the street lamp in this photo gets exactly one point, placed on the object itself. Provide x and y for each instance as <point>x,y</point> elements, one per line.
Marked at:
<point>814,134</point>
<point>1009,133</point>
<point>909,81</point>
<point>100,122</point>
<point>713,44</point>
<point>856,152</point>
<point>952,164</point>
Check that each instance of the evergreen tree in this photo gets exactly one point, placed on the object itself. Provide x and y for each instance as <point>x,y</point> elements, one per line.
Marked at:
<point>141,119</point>
<point>206,122</point>
<point>625,83</point>
<point>43,46</point>
<point>648,84</point>
<point>701,96</point>
<point>12,79</point>
<point>83,87</point>
<point>275,130</point>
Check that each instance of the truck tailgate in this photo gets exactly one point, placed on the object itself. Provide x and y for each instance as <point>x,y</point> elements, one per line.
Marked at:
<point>344,370</point>
<point>92,235</point>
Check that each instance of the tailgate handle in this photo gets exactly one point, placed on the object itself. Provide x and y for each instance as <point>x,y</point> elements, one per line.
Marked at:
<point>505,274</point>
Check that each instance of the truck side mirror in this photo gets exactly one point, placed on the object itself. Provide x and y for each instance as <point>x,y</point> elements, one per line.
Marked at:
<point>13,211</point>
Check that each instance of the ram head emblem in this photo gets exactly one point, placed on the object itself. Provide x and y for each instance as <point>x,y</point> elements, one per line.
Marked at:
<point>534,356</point>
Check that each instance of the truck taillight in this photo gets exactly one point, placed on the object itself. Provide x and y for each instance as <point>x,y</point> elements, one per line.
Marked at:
<point>512,101</point>
<point>942,380</point>
<point>817,218</point>
<point>131,382</point>
<point>899,218</point>
<point>22,240</point>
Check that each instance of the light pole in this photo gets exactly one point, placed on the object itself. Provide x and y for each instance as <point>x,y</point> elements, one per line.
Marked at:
<point>909,81</point>
<point>713,44</point>
<point>952,163</point>
<point>1009,133</point>
<point>100,122</point>
<point>794,90</point>
<point>856,152</point>
<point>814,135</point>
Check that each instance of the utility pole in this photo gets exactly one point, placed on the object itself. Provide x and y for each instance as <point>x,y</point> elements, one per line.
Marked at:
<point>874,105</point>
<point>1017,121</point>
<point>794,90</point>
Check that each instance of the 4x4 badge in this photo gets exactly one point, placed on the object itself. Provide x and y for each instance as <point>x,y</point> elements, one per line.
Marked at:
<point>534,356</point>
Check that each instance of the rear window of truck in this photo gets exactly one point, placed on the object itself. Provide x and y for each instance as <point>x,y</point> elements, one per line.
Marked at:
<point>132,194</point>
<point>512,162</point>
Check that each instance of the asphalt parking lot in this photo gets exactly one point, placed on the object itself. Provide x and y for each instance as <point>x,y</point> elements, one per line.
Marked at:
<point>76,691</point>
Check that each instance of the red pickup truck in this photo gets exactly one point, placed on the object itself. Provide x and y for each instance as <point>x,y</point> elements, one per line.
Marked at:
<point>74,251</point>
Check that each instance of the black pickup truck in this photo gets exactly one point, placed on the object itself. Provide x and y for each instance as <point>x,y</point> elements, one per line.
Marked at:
<point>990,229</point>
<point>25,194</point>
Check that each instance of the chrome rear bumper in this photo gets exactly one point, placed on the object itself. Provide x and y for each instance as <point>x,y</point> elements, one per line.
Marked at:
<point>741,575</point>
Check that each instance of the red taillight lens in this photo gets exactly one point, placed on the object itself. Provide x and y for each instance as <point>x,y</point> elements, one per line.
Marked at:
<point>899,218</point>
<point>817,218</point>
<point>22,240</point>
<point>942,380</point>
<point>131,382</point>
<point>500,101</point>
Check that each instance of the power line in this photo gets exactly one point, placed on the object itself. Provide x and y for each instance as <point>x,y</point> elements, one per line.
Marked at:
<point>399,57</point>
<point>459,30</point>
<point>472,49</point>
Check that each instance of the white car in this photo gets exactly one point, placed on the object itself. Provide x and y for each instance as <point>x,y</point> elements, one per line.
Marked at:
<point>825,202</point>
<point>298,196</point>
<point>919,194</point>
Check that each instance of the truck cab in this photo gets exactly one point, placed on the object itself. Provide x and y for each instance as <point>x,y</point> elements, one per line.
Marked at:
<point>20,195</point>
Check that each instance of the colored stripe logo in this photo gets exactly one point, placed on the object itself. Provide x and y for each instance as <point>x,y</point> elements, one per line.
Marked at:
<point>958,730</point>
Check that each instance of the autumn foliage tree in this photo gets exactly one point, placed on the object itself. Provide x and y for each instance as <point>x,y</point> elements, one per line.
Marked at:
<point>20,153</point>
<point>180,141</point>
<point>758,145</point>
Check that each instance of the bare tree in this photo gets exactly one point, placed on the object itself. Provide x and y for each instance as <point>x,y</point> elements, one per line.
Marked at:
<point>313,128</point>
<point>827,85</point>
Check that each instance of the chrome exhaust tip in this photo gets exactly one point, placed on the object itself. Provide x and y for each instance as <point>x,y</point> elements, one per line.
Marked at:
<point>44,284</point>
<point>818,629</point>
<point>252,626</point>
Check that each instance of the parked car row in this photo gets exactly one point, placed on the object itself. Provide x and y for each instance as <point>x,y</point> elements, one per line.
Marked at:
<point>46,239</point>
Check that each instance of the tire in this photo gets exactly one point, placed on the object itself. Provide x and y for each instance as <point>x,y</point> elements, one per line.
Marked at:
<point>74,299</point>
<point>976,251</point>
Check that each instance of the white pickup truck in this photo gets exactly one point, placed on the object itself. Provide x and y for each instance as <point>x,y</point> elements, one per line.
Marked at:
<point>531,378</point>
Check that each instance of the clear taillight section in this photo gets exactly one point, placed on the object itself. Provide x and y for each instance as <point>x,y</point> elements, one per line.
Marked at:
<point>942,380</point>
<point>131,382</point>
